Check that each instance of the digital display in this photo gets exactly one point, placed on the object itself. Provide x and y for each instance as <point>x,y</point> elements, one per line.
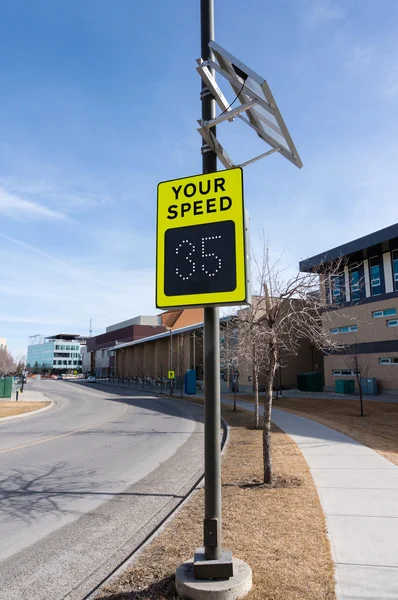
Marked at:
<point>200,259</point>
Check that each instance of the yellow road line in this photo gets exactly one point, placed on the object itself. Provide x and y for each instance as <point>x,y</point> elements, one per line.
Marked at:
<point>56,437</point>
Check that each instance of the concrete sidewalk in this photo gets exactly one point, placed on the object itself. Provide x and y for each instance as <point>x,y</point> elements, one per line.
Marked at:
<point>358,490</point>
<point>334,396</point>
<point>31,395</point>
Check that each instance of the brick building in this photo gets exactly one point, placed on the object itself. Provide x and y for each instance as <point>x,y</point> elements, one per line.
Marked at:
<point>363,303</point>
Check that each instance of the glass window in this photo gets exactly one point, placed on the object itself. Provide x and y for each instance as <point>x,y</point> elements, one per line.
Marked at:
<point>392,323</point>
<point>349,372</point>
<point>338,289</point>
<point>385,361</point>
<point>395,268</point>
<point>375,280</point>
<point>344,329</point>
<point>354,283</point>
<point>336,372</point>
<point>334,330</point>
<point>388,312</point>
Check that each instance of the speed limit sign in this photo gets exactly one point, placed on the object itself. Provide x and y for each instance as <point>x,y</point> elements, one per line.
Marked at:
<point>201,241</point>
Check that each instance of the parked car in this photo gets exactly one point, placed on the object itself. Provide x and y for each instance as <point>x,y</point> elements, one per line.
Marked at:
<point>91,379</point>
<point>59,377</point>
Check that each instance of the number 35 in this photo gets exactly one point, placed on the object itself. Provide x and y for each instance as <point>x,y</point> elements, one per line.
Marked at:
<point>210,263</point>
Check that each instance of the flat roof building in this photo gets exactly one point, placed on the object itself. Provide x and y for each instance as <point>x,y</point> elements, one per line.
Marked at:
<point>363,294</point>
<point>100,356</point>
<point>59,352</point>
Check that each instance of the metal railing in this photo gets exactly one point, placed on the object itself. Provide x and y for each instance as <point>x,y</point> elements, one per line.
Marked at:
<point>148,383</point>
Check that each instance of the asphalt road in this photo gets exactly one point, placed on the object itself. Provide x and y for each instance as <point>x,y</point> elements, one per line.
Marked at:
<point>83,483</point>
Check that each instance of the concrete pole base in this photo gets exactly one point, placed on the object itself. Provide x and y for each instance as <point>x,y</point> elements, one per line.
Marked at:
<point>214,589</point>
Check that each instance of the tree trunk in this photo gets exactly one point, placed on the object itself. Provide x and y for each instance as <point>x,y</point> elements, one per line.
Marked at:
<point>256,402</point>
<point>361,398</point>
<point>269,381</point>
<point>359,382</point>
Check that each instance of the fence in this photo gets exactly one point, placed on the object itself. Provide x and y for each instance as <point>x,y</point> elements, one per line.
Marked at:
<point>148,383</point>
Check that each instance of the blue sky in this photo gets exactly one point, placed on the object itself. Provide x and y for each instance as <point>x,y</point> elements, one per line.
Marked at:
<point>99,102</point>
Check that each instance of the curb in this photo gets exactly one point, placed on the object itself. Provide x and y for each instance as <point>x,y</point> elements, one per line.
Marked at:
<point>163,524</point>
<point>28,413</point>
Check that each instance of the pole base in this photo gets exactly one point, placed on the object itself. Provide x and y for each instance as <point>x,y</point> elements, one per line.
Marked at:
<point>237,586</point>
<point>219,568</point>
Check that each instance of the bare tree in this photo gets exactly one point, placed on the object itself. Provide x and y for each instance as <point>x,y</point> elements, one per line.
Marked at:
<point>7,363</point>
<point>229,351</point>
<point>20,363</point>
<point>253,346</point>
<point>287,312</point>
<point>359,363</point>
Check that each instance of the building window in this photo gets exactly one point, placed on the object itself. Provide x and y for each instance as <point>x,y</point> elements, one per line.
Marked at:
<point>392,323</point>
<point>395,268</point>
<point>346,329</point>
<point>375,276</point>
<point>388,312</point>
<point>338,289</point>
<point>391,360</point>
<point>354,283</point>
<point>344,372</point>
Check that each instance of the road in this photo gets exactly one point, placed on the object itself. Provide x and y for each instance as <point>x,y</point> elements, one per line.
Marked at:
<point>82,484</point>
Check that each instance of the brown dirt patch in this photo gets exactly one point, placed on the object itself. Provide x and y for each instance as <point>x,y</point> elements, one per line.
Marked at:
<point>9,409</point>
<point>377,429</point>
<point>278,530</point>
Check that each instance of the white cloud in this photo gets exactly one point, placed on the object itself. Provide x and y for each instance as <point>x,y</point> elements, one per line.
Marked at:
<point>359,58</point>
<point>17,208</point>
<point>76,193</point>
<point>65,296</point>
<point>321,12</point>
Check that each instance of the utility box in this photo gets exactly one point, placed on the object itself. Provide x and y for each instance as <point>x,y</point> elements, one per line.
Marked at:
<point>190,381</point>
<point>6,387</point>
<point>310,382</point>
<point>345,386</point>
<point>369,386</point>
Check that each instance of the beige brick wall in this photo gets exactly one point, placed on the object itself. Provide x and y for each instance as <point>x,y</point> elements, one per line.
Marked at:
<point>386,375</point>
<point>369,328</point>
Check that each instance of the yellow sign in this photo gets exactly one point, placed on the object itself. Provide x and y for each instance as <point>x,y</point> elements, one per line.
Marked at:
<point>201,241</point>
<point>170,375</point>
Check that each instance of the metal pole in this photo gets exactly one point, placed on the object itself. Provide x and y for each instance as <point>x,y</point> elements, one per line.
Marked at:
<point>212,520</point>
<point>171,361</point>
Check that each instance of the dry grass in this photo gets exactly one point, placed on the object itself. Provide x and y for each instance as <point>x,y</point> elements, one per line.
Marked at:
<point>278,530</point>
<point>9,409</point>
<point>377,429</point>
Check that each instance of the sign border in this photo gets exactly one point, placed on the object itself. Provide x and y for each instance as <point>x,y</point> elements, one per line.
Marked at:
<point>243,301</point>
